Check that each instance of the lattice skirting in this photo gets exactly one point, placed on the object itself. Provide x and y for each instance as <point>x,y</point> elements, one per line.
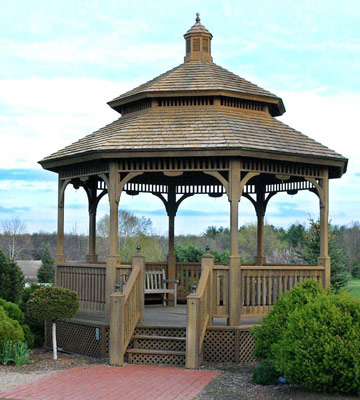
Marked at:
<point>221,344</point>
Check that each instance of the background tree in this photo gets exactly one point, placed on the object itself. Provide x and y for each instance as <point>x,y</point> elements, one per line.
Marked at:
<point>51,303</point>
<point>46,271</point>
<point>310,252</point>
<point>11,280</point>
<point>11,230</point>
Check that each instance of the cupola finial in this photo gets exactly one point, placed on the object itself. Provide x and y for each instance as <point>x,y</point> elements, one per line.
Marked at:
<point>198,40</point>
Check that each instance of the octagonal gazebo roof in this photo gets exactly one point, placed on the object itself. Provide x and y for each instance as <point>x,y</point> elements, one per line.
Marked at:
<point>198,108</point>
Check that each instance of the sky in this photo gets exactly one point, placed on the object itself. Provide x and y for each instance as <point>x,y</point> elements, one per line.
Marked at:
<point>61,61</point>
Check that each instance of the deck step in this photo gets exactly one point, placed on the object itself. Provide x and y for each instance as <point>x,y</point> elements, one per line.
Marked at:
<point>151,356</point>
<point>155,337</point>
<point>162,352</point>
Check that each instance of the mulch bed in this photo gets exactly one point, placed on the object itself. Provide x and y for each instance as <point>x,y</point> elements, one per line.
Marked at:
<point>42,360</point>
<point>234,382</point>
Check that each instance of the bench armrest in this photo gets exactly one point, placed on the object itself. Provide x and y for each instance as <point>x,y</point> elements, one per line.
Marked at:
<point>174,281</point>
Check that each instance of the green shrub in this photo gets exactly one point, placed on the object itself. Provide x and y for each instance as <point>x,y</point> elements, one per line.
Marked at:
<point>28,336</point>
<point>10,330</point>
<point>11,280</point>
<point>265,373</point>
<point>17,352</point>
<point>13,311</point>
<point>274,325</point>
<point>36,326</point>
<point>320,348</point>
<point>53,303</point>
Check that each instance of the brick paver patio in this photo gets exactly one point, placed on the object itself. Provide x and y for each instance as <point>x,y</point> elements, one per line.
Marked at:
<point>140,382</point>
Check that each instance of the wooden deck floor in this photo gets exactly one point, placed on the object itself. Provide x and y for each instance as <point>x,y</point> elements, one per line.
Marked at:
<point>157,316</point>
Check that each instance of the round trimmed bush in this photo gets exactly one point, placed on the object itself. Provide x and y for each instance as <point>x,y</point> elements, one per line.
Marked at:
<point>10,330</point>
<point>53,303</point>
<point>320,348</point>
<point>274,325</point>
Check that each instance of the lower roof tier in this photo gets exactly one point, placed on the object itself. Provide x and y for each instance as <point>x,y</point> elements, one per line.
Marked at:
<point>180,129</point>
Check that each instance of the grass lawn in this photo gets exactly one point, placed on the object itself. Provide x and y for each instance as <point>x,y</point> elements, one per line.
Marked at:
<point>354,287</point>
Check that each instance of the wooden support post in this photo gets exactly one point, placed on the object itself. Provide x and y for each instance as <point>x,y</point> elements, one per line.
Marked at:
<point>92,256</point>
<point>60,255</point>
<point>113,258</point>
<point>193,333</point>
<point>324,259</point>
<point>116,350</point>
<point>260,213</point>
<point>139,261</point>
<point>234,259</point>
<point>171,211</point>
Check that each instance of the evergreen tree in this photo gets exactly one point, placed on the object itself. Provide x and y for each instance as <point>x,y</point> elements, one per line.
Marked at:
<point>46,271</point>
<point>310,252</point>
<point>11,280</point>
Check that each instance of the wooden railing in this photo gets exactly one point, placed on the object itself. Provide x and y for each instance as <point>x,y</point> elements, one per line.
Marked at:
<point>87,280</point>
<point>199,313</point>
<point>126,310</point>
<point>263,285</point>
<point>188,275</point>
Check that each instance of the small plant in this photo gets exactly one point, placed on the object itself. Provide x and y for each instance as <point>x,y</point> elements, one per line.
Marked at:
<point>51,303</point>
<point>17,352</point>
<point>266,374</point>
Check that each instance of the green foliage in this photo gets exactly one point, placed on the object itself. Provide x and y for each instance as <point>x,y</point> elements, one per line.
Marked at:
<point>194,254</point>
<point>13,311</point>
<point>46,271</point>
<point>294,235</point>
<point>36,326</point>
<point>265,373</point>
<point>150,248</point>
<point>320,349</point>
<point>354,288</point>
<point>311,249</point>
<point>17,352</point>
<point>53,303</point>
<point>11,280</point>
<point>29,337</point>
<point>10,330</point>
<point>274,325</point>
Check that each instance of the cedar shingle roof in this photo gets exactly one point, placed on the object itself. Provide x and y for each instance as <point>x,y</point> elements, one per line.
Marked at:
<point>199,76</point>
<point>200,128</point>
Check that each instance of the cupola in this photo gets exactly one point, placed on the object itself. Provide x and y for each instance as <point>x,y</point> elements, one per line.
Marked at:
<point>198,43</point>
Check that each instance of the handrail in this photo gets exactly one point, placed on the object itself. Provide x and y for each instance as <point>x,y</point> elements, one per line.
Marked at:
<point>127,309</point>
<point>199,310</point>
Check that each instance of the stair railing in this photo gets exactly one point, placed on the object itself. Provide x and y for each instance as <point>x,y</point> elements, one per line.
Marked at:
<point>199,313</point>
<point>126,311</point>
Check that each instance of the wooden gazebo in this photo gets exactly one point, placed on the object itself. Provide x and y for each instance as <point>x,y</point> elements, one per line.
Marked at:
<point>196,129</point>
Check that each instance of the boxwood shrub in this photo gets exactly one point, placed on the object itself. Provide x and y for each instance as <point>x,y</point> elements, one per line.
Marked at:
<point>320,348</point>
<point>274,325</point>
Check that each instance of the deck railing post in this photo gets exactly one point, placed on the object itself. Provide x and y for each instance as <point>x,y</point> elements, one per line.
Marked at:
<point>193,333</point>
<point>207,262</point>
<point>116,347</point>
<point>139,260</point>
<point>234,290</point>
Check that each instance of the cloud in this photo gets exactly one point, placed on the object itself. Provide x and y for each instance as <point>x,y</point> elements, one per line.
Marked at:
<point>13,210</point>
<point>32,175</point>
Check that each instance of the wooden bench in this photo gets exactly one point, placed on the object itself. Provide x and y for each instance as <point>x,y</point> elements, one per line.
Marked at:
<point>156,282</point>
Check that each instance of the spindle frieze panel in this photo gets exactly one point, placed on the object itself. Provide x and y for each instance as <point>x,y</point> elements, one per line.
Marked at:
<point>84,169</point>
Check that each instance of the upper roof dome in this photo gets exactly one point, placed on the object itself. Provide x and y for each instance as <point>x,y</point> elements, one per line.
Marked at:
<point>199,73</point>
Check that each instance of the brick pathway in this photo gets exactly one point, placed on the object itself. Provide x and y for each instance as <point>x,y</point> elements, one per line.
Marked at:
<point>102,382</point>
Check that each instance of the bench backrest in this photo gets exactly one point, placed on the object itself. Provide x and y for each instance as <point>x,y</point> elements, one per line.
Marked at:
<point>154,279</point>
